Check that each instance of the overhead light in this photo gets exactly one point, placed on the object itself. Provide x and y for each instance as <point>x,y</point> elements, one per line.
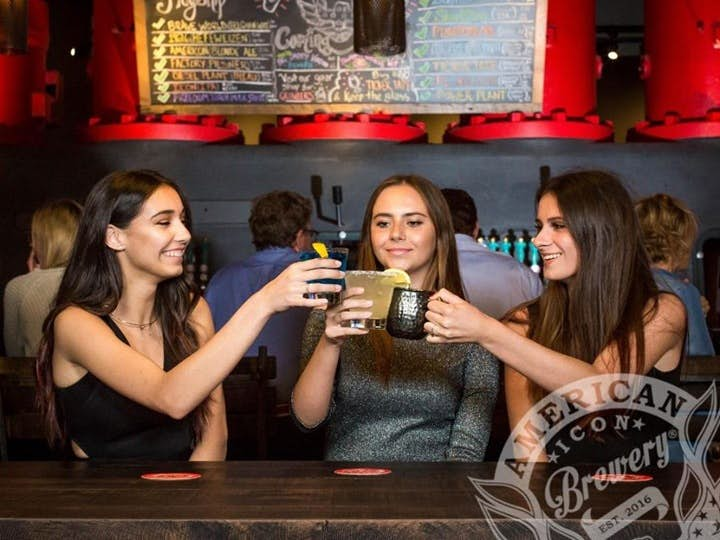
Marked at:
<point>612,47</point>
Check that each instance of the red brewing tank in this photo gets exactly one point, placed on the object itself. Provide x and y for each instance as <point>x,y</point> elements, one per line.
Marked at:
<point>682,63</point>
<point>38,41</point>
<point>571,63</point>
<point>569,94</point>
<point>113,67</point>
<point>15,89</point>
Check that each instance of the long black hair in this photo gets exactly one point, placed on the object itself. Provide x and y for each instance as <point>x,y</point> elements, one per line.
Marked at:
<point>93,281</point>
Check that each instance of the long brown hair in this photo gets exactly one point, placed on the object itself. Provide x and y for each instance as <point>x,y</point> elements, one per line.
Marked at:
<point>93,281</point>
<point>607,300</point>
<point>444,269</point>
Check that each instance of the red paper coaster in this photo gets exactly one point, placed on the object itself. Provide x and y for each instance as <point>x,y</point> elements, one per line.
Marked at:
<point>171,476</point>
<point>622,477</point>
<point>362,471</point>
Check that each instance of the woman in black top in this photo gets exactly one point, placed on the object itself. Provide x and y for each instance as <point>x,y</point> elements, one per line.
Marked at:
<point>600,312</point>
<point>129,365</point>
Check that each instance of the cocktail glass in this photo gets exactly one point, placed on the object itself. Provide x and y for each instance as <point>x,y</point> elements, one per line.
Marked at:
<point>339,254</point>
<point>378,288</point>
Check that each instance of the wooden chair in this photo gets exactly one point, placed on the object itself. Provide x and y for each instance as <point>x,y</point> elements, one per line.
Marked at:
<point>20,421</point>
<point>250,403</point>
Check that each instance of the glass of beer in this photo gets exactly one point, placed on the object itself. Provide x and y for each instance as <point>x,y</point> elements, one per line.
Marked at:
<point>379,288</point>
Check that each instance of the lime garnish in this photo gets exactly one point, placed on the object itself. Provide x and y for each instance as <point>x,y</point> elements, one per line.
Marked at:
<point>321,249</point>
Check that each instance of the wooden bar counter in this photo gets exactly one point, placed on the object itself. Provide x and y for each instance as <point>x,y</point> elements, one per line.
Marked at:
<point>273,500</point>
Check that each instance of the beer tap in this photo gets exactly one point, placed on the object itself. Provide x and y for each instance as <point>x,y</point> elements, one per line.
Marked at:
<point>316,189</point>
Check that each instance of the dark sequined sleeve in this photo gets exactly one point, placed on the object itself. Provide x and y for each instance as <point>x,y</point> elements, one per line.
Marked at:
<point>473,422</point>
<point>435,404</point>
<point>314,328</point>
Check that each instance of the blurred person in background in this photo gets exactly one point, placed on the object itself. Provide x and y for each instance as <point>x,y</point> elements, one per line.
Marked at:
<point>28,297</point>
<point>493,282</point>
<point>669,231</point>
<point>280,227</point>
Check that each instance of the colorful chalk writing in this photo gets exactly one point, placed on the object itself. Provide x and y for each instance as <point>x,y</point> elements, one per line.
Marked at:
<point>462,56</point>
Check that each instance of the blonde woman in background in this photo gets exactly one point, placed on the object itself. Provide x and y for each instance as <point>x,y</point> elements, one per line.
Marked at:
<point>28,297</point>
<point>669,231</point>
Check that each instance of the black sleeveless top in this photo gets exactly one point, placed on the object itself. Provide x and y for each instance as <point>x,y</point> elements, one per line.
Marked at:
<point>107,425</point>
<point>604,446</point>
<point>610,444</point>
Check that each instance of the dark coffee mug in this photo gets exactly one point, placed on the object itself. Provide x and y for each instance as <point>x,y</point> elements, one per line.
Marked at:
<point>406,315</point>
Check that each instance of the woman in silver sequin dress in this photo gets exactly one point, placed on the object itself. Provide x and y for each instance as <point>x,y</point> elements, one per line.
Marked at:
<point>390,399</point>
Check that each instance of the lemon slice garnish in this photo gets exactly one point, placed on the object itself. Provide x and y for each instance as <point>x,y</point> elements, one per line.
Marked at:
<point>320,248</point>
<point>399,277</point>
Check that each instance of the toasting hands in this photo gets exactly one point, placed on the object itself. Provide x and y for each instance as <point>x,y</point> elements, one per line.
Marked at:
<point>351,308</point>
<point>290,287</point>
<point>450,319</point>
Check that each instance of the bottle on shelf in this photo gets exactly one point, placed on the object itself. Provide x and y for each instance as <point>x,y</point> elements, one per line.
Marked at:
<point>520,249</point>
<point>505,245</point>
<point>492,242</point>
<point>189,263</point>
<point>203,276</point>
<point>534,257</point>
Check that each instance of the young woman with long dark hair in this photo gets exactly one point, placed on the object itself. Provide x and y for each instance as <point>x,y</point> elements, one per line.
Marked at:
<point>129,365</point>
<point>393,399</point>
<point>600,312</point>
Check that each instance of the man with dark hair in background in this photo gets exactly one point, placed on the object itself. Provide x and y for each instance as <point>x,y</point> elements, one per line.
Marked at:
<point>493,282</point>
<point>280,228</point>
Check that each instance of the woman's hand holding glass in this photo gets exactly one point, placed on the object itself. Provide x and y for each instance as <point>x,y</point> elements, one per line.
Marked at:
<point>288,289</point>
<point>450,319</point>
<point>337,318</point>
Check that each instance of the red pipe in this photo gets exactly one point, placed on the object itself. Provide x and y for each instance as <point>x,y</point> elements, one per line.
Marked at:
<point>113,67</point>
<point>571,65</point>
<point>15,89</point>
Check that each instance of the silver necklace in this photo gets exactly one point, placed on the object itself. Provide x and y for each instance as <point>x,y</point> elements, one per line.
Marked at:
<point>141,326</point>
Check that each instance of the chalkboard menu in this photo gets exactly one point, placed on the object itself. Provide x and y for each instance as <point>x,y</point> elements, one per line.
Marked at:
<point>296,57</point>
